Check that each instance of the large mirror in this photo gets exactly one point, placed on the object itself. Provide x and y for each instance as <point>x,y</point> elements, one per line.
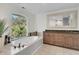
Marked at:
<point>66,19</point>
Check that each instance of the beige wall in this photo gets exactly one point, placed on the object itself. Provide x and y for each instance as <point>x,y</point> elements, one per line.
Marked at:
<point>35,22</point>
<point>7,9</point>
<point>41,21</point>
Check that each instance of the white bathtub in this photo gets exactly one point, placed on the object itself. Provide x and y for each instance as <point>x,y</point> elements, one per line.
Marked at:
<point>25,40</point>
<point>31,44</point>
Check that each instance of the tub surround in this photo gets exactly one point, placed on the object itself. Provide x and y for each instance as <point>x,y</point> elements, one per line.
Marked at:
<point>63,38</point>
<point>1,42</point>
<point>29,46</point>
<point>10,50</point>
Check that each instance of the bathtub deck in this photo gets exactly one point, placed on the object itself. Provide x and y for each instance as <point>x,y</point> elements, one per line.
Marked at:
<point>9,50</point>
<point>27,50</point>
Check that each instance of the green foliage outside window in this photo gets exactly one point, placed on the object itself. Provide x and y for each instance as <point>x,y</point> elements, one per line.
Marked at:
<point>1,27</point>
<point>19,28</point>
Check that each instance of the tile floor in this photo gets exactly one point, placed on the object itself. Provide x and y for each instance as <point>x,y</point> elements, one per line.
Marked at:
<point>48,50</point>
<point>5,50</point>
<point>55,50</point>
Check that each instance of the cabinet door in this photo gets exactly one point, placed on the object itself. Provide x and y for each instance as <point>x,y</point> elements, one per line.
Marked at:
<point>46,38</point>
<point>76,41</point>
<point>68,40</point>
<point>59,39</point>
<point>52,38</point>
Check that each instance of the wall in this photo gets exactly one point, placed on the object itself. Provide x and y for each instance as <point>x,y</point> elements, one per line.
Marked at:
<point>7,9</point>
<point>41,21</point>
<point>35,22</point>
<point>5,12</point>
<point>29,17</point>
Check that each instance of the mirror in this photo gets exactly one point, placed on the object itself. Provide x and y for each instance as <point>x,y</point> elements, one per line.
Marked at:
<point>62,20</point>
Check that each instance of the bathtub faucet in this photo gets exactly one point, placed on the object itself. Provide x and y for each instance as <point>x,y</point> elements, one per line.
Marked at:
<point>19,45</point>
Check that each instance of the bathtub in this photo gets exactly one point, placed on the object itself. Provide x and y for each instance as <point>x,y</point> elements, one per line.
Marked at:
<point>31,44</point>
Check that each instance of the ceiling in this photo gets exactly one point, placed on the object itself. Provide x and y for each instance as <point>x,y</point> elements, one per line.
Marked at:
<point>37,8</point>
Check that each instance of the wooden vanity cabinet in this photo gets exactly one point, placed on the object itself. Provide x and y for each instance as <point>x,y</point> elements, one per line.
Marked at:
<point>64,39</point>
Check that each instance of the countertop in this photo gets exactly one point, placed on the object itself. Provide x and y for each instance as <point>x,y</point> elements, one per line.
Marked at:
<point>63,31</point>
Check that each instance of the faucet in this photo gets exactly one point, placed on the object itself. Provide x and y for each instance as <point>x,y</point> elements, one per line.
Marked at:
<point>19,45</point>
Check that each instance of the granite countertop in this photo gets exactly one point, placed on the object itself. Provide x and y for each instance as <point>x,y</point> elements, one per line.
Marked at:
<point>63,31</point>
